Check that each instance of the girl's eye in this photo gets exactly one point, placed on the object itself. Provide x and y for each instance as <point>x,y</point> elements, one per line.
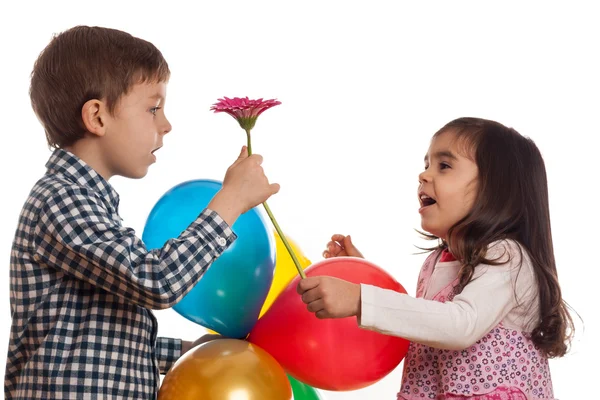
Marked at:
<point>426,166</point>
<point>444,166</point>
<point>153,110</point>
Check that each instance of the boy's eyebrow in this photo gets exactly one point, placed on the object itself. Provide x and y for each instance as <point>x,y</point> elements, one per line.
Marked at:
<point>156,96</point>
<point>442,154</point>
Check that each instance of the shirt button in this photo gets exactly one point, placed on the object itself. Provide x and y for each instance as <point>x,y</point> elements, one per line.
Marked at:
<point>221,241</point>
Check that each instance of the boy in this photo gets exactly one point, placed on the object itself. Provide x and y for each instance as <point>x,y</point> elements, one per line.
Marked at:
<point>82,285</point>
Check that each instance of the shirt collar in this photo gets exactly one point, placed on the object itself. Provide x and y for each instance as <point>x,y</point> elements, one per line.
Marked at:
<point>447,256</point>
<point>75,169</point>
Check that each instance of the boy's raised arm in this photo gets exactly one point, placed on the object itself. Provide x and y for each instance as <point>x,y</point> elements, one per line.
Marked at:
<point>76,235</point>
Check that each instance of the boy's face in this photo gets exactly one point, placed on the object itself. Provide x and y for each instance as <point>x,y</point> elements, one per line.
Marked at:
<point>448,186</point>
<point>136,131</point>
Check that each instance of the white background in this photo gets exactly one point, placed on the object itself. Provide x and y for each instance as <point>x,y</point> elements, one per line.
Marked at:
<point>364,85</point>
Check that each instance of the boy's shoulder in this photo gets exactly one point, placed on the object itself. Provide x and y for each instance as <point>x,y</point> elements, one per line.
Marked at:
<point>50,188</point>
<point>66,178</point>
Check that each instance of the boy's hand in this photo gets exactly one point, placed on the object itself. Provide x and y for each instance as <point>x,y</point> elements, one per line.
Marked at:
<point>245,186</point>
<point>330,297</point>
<point>187,346</point>
<point>341,246</point>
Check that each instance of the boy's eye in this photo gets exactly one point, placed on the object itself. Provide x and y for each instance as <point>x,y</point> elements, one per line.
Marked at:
<point>444,166</point>
<point>153,110</point>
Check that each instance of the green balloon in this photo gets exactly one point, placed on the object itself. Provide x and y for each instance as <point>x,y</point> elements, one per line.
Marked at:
<point>302,391</point>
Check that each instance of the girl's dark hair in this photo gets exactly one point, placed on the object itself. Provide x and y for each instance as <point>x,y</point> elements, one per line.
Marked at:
<point>512,203</point>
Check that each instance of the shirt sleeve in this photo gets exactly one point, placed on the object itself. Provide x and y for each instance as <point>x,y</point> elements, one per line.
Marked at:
<point>168,350</point>
<point>76,234</point>
<point>452,325</point>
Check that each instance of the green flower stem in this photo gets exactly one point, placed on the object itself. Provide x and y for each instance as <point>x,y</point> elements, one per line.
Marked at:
<point>249,141</point>
<point>285,242</point>
<point>276,225</point>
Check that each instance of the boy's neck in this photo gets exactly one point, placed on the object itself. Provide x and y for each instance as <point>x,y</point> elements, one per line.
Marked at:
<point>86,150</point>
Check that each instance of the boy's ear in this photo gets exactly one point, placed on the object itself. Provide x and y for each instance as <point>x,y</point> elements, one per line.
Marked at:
<point>94,115</point>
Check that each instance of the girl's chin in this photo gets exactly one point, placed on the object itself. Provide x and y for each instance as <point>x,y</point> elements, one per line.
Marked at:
<point>433,231</point>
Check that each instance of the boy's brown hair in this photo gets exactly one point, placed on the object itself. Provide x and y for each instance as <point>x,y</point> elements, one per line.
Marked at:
<point>85,63</point>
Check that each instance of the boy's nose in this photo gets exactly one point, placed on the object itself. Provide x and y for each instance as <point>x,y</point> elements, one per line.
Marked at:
<point>167,127</point>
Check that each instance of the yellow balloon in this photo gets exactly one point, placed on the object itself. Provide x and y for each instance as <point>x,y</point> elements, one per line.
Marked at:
<point>226,369</point>
<point>285,269</point>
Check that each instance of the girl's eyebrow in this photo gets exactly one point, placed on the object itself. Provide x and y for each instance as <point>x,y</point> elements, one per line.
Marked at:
<point>441,154</point>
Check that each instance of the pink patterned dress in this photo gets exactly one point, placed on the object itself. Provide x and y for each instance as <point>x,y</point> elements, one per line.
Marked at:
<point>503,365</point>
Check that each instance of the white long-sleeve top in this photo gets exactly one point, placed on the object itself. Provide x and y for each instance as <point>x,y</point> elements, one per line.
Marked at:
<point>505,293</point>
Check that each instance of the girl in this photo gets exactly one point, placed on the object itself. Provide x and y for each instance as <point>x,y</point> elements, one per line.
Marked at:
<point>489,311</point>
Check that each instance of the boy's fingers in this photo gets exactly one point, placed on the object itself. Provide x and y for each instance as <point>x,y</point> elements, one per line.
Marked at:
<point>243,153</point>
<point>274,188</point>
<point>257,158</point>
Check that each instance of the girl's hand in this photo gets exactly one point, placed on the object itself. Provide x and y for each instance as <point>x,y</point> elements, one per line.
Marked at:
<point>341,246</point>
<point>329,297</point>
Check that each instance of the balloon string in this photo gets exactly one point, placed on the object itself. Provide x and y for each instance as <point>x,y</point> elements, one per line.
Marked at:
<point>276,225</point>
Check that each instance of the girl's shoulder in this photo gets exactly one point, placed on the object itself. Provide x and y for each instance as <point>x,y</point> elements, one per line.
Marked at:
<point>514,267</point>
<point>507,252</point>
<point>509,259</point>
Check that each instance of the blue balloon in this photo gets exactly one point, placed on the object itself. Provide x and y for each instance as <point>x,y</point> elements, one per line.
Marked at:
<point>229,296</point>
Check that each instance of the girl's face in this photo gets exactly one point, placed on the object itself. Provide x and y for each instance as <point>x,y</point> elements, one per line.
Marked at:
<point>448,186</point>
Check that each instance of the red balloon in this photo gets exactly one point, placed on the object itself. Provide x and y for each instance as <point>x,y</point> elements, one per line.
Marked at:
<point>330,354</point>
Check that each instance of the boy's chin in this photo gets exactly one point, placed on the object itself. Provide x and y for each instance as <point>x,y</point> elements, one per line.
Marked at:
<point>139,174</point>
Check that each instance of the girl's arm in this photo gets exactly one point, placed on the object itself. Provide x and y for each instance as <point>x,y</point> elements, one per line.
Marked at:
<point>484,303</point>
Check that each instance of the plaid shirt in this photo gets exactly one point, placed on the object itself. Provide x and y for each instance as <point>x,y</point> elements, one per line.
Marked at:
<point>82,287</point>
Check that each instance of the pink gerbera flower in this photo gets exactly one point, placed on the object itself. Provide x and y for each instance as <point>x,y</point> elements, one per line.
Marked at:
<point>244,110</point>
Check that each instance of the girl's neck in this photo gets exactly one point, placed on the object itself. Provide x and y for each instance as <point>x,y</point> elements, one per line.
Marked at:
<point>447,256</point>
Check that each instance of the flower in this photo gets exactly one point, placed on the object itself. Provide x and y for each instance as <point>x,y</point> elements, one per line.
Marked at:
<point>246,111</point>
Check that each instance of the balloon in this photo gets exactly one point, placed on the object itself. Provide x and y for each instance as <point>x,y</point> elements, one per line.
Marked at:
<point>226,369</point>
<point>285,269</point>
<point>330,354</point>
<point>302,391</point>
<point>229,297</point>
